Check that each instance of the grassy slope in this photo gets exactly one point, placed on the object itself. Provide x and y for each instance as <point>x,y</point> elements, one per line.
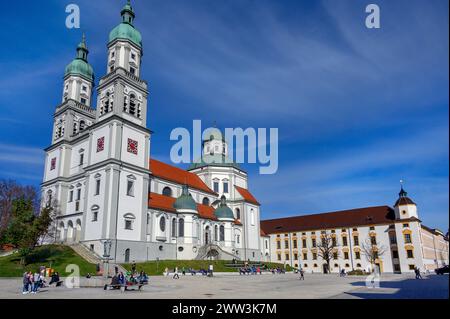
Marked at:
<point>157,268</point>
<point>55,255</point>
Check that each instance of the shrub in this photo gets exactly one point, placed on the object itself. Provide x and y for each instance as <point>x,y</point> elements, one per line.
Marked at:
<point>357,272</point>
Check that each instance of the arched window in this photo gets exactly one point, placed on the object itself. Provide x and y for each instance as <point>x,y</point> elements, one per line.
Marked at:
<point>167,191</point>
<point>222,233</point>
<point>181,227</point>
<point>238,213</point>
<point>132,104</point>
<point>162,223</point>
<point>205,201</point>
<point>216,233</point>
<point>252,216</point>
<point>82,125</point>
<point>174,227</point>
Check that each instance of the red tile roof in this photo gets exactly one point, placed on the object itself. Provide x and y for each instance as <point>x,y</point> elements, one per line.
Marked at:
<point>165,203</point>
<point>178,175</point>
<point>248,197</point>
<point>346,218</point>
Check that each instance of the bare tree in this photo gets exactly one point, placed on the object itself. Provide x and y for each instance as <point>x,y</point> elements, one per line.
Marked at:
<point>327,248</point>
<point>372,251</point>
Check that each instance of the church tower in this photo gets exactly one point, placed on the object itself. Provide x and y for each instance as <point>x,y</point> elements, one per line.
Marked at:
<point>120,147</point>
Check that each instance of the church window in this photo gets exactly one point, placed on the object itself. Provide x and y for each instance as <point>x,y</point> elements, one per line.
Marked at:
<point>216,186</point>
<point>225,187</point>
<point>70,196</point>
<point>130,188</point>
<point>97,187</point>
<point>174,227</point>
<point>238,237</point>
<point>94,216</point>
<point>162,223</point>
<point>181,227</point>
<point>128,224</point>
<point>205,201</point>
<point>53,164</point>
<point>167,191</point>
<point>238,213</point>
<point>132,146</point>
<point>83,100</point>
<point>252,217</point>
<point>132,70</point>
<point>221,233</point>
<point>100,144</point>
<point>81,159</point>
<point>132,110</point>
<point>133,56</point>
<point>357,255</point>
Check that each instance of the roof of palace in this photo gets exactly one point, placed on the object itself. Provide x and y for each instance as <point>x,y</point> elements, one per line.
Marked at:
<point>345,218</point>
<point>178,175</point>
<point>248,197</point>
<point>165,203</point>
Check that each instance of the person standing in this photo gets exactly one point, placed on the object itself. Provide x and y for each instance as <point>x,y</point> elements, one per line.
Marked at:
<point>211,269</point>
<point>26,283</point>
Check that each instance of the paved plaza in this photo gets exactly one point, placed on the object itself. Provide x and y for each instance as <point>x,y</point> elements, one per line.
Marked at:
<point>233,286</point>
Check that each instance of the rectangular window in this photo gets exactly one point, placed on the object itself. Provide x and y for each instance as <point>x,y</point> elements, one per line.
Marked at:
<point>335,255</point>
<point>216,187</point>
<point>295,244</point>
<point>409,253</point>
<point>83,100</point>
<point>237,238</point>
<point>412,267</point>
<point>295,256</point>
<point>225,187</point>
<point>357,255</point>
<point>345,255</point>
<point>373,240</point>
<point>333,241</point>
<point>405,225</point>
<point>77,206</point>
<point>372,228</point>
<point>53,164</point>
<point>314,256</point>
<point>128,224</point>
<point>344,241</point>
<point>81,159</point>
<point>267,244</point>
<point>314,242</point>
<point>130,188</point>
<point>305,256</point>
<point>286,244</point>
<point>393,240</point>
<point>97,187</point>
<point>132,71</point>
<point>304,243</point>
<point>279,256</point>
<point>287,256</point>
<point>71,196</point>
<point>356,240</point>
<point>133,56</point>
<point>278,244</point>
<point>84,88</point>
<point>94,216</point>
<point>408,238</point>
<point>78,193</point>
<point>394,254</point>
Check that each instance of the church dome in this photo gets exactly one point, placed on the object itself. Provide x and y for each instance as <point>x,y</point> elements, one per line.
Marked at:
<point>80,65</point>
<point>126,30</point>
<point>223,211</point>
<point>185,201</point>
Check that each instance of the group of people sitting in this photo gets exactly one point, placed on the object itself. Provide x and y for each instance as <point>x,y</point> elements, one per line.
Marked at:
<point>278,270</point>
<point>33,282</point>
<point>130,278</point>
<point>246,270</point>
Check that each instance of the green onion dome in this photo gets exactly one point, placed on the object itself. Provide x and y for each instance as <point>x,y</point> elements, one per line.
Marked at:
<point>126,30</point>
<point>223,211</point>
<point>185,201</point>
<point>80,65</point>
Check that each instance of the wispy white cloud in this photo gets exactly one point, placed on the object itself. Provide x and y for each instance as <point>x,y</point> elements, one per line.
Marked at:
<point>21,155</point>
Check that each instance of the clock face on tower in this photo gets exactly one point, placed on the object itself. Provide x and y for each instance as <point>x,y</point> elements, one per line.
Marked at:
<point>100,144</point>
<point>132,146</point>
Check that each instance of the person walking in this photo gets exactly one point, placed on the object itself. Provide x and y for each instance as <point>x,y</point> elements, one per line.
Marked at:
<point>417,271</point>
<point>26,283</point>
<point>302,274</point>
<point>211,269</point>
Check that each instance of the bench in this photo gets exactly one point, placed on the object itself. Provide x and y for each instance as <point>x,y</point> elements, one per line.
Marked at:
<point>123,288</point>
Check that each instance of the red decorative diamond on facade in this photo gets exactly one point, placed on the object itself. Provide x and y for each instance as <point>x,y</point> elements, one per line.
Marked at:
<point>100,144</point>
<point>132,146</point>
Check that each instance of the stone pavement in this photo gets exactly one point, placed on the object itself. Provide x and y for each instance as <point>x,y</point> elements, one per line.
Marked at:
<point>252,287</point>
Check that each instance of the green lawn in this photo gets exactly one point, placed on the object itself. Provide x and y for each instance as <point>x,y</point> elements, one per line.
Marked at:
<point>157,268</point>
<point>54,256</point>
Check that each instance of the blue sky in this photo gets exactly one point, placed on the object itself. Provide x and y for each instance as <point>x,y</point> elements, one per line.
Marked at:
<point>357,109</point>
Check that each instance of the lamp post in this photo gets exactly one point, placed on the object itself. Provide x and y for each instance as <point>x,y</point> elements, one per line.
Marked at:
<point>106,257</point>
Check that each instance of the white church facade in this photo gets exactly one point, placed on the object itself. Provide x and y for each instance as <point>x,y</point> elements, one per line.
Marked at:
<point>100,174</point>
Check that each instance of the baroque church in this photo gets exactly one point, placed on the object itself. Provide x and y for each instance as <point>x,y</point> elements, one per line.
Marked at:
<point>107,187</point>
